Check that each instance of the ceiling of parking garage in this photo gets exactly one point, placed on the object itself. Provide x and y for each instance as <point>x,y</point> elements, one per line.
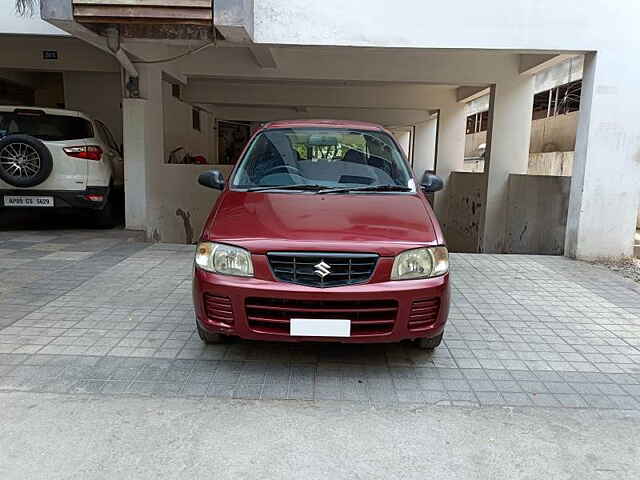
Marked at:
<point>261,99</point>
<point>436,67</point>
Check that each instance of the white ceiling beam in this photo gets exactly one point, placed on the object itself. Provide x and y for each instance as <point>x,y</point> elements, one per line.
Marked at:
<point>467,94</point>
<point>265,114</point>
<point>263,57</point>
<point>350,64</point>
<point>530,64</point>
<point>296,94</point>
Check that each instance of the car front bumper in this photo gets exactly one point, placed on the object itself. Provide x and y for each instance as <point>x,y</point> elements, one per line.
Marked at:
<point>63,198</point>
<point>380,311</point>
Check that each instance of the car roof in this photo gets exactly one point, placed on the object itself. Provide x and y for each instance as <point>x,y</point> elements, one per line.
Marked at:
<point>323,124</point>
<point>48,111</point>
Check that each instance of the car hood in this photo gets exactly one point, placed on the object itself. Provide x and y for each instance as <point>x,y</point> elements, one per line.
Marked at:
<point>379,223</point>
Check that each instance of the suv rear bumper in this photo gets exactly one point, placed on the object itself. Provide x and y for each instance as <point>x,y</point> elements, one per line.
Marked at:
<point>62,198</point>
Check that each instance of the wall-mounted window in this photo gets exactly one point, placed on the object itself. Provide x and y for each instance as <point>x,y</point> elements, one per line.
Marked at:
<point>541,104</point>
<point>175,90</point>
<point>557,101</point>
<point>478,122</point>
<point>195,119</point>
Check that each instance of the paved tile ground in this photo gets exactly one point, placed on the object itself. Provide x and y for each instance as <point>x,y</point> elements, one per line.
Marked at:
<point>103,312</point>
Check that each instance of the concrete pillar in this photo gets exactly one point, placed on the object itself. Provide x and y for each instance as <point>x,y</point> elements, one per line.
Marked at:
<point>603,204</point>
<point>135,168</point>
<point>403,137</point>
<point>143,147</point>
<point>508,138</point>
<point>424,155</point>
<point>449,153</point>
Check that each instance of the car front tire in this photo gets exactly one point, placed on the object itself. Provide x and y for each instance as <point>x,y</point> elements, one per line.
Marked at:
<point>211,338</point>
<point>429,343</point>
<point>105,218</point>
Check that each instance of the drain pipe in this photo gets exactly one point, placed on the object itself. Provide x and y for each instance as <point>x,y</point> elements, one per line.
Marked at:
<point>113,43</point>
<point>123,58</point>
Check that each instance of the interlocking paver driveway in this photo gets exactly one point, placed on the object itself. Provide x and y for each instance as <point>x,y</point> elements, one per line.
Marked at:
<point>103,312</point>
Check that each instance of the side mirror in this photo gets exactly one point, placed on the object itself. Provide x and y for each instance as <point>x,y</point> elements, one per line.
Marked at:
<point>431,183</point>
<point>212,179</point>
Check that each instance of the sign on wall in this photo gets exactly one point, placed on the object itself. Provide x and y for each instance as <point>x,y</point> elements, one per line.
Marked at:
<point>50,55</point>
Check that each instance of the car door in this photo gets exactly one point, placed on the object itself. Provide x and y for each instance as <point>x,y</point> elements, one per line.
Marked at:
<point>112,154</point>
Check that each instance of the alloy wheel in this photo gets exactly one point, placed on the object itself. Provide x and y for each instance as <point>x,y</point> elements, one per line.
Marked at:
<point>20,160</point>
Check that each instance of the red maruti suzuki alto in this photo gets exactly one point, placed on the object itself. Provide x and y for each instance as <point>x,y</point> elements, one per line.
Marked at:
<point>321,234</point>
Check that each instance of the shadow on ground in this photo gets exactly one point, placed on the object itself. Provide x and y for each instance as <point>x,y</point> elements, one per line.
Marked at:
<point>48,219</point>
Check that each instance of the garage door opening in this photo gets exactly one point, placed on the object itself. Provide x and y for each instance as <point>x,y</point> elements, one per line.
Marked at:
<point>61,150</point>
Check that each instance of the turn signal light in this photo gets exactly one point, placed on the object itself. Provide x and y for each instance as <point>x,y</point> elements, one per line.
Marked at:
<point>87,152</point>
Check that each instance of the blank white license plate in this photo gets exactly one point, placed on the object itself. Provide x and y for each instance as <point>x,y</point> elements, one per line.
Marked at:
<point>314,327</point>
<point>23,201</point>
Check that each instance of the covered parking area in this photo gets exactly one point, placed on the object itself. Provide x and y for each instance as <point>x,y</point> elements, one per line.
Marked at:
<point>419,95</point>
<point>58,71</point>
<point>188,99</point>
<point>53,70</point>
<point>255,69</point>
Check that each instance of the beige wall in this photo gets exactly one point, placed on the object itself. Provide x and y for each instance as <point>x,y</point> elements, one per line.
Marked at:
<point>549,163</point>
<point>537,214</point>
<point>424,155</point>
<point>24,52</point>
<point>163,200</point>
<point>403,137</point>
<point>49,90</point>
<point>97,94</point>
<point>466,208</point>
<point>554,134</point>
<point>179,131</point>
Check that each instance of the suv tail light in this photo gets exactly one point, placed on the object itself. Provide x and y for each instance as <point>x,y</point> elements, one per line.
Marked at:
<point>88,152</point>
<point>94,197</point>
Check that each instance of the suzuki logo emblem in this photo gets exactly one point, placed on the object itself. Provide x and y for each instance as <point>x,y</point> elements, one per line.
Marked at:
<point>322,269</point>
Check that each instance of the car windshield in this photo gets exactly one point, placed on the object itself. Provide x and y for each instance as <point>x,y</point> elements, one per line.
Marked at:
<point>45,127</point>
<point>315,159</point>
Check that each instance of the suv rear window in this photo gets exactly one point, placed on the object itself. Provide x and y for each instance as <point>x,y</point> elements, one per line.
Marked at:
<point>44,127</point>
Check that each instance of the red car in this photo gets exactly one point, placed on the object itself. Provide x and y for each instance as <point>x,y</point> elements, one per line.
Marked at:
<point>321,234</point>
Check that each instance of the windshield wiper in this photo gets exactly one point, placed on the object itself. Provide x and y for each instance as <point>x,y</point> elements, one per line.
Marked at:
<point>369,188</point>
<point>296,186</point>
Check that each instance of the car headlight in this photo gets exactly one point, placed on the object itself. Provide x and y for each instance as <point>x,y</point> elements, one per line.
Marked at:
<point>421,263</point>
<point>224,259</point>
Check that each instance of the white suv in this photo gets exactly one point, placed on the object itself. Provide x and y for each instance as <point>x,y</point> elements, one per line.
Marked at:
<point>51,158</point>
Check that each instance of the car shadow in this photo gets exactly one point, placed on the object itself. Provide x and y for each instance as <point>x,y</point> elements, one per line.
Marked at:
<point>59,219</point>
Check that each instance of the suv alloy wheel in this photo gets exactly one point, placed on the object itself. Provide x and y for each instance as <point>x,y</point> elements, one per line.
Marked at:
<point>24,161</point>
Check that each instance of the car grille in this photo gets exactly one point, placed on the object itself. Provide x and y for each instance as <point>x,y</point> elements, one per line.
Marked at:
<point>218,309</point>
<point>342,268</point>
<point>424,313</point>
<point>368,317</point>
